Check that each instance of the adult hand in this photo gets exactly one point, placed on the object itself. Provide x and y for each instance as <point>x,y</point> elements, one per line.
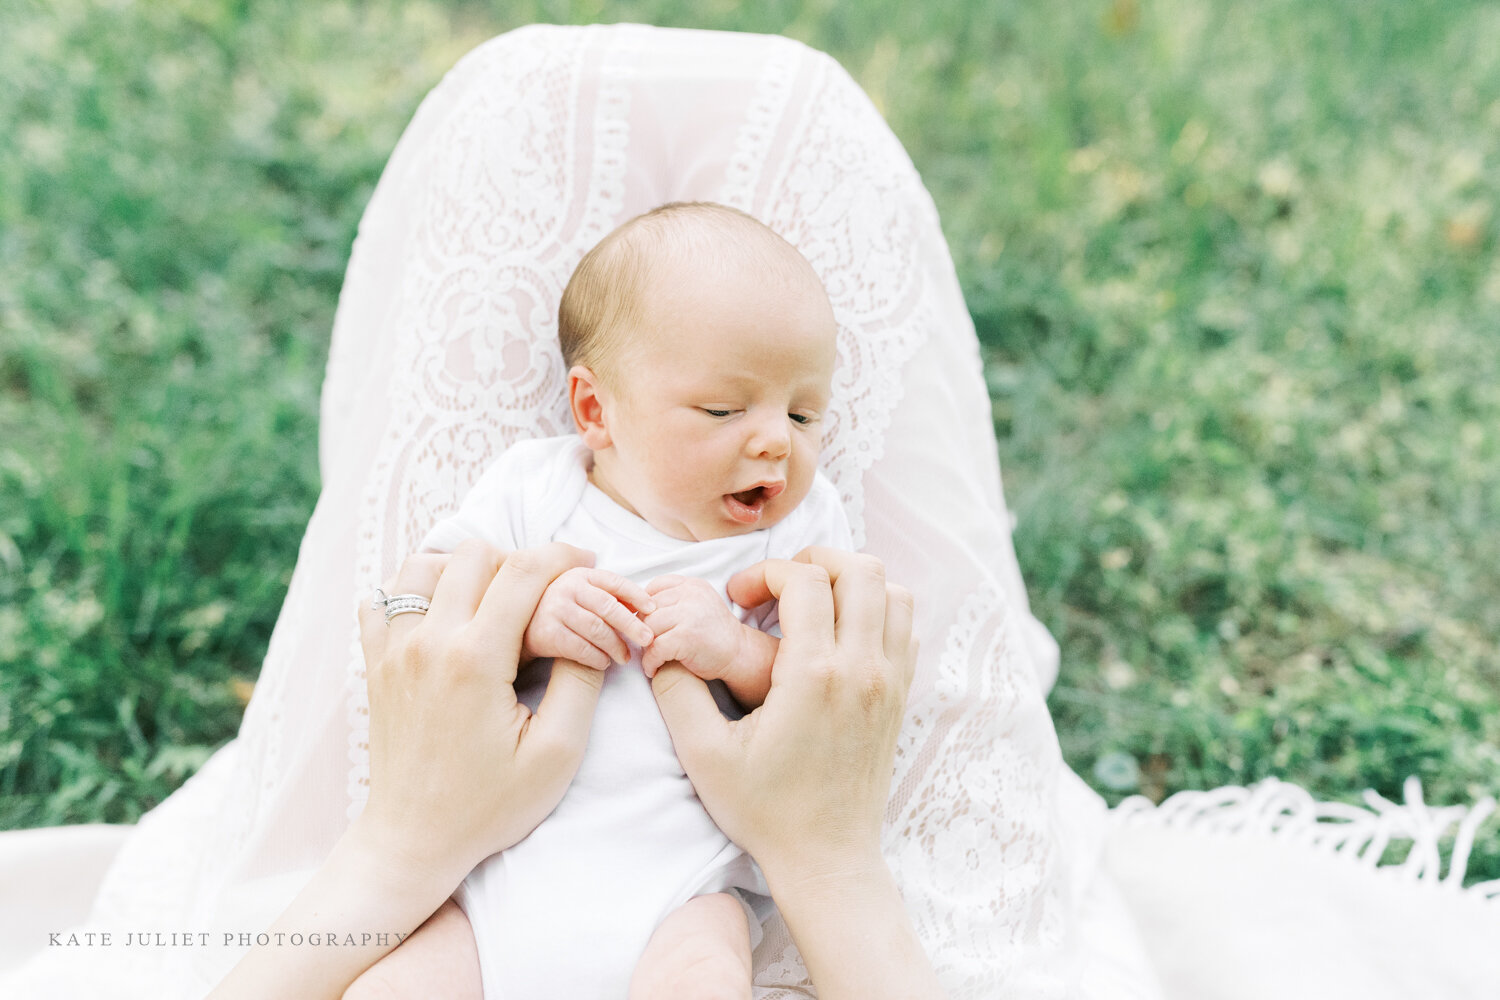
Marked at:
<point>459,768</point>
<point>801,782</point>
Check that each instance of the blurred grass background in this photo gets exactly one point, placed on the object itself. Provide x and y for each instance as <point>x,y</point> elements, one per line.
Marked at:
<point>1233,267</point>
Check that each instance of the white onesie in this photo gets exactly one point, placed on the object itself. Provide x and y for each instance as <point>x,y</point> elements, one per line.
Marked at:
<point>567,912</point>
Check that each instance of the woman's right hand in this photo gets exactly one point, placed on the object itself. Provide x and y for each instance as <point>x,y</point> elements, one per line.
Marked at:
<point>459,768</point>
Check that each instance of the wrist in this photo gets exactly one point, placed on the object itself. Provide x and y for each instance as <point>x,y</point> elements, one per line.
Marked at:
<point>391,865</point>
<point>753,652</point>
<point>825,877</point>
<point>850,923</point>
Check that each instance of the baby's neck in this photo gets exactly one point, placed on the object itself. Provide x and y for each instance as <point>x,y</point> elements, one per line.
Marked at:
<point>599,476</point>
<point>604,484</point>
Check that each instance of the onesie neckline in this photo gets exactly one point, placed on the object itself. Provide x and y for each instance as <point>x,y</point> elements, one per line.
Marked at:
<point>617,520</point>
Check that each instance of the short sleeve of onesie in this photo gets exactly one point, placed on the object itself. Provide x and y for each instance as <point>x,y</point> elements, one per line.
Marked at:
<point>518,501</point>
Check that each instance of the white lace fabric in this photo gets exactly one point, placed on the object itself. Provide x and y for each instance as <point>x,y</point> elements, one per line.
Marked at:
<point>444,354</point>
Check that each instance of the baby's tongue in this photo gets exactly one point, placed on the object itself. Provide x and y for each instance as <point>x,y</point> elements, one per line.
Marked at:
<point>750,497</point>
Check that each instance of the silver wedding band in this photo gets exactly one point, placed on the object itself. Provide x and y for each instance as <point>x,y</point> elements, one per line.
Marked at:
<point>399,604</point>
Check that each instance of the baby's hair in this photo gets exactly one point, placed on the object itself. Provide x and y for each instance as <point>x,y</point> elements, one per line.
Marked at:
<point>605,297</point>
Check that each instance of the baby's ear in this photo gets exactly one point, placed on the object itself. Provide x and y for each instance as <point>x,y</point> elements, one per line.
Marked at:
<point>586,399</point>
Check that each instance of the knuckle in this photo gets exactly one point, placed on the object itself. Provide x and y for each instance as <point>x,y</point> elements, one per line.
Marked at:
<point>463,658</point>
<point>870,568</point>
<point>420,647</point>
<point>418,563</point>
<point>824,670</point>
<point>901,596</point>
<point>526,562</point>
<point>816,574</point>
<point>877,689</point>
<point>473,547</point>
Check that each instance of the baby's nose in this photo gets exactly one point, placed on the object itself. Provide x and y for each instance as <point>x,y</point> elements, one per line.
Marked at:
<point>771,439</point>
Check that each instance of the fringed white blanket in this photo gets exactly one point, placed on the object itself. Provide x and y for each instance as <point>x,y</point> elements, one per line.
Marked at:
<point>1267,892</point>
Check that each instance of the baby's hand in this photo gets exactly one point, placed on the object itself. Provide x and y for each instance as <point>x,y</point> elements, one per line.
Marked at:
<point>693,625</point>
<point>586,615</point>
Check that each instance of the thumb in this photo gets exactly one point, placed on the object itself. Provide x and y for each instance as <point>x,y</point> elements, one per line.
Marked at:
<point>700,734</point>
<point>559,729</point>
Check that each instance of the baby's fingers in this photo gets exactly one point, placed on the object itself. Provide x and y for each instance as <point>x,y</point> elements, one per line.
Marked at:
<point>663,650</point>
<point>661,583</point>
<point>593,630</point>
<point>627,591</point>
<point>572,646</point>
<point>616,616</point>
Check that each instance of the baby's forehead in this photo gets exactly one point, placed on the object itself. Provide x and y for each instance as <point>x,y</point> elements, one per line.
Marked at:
<point>669,282</point>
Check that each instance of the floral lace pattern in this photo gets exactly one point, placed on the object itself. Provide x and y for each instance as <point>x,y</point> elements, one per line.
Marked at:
<point>477,367</point>
<point>445,354</point>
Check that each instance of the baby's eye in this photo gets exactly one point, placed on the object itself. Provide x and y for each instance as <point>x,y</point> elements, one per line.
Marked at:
<point>715,413</point>
<point>802,418</point>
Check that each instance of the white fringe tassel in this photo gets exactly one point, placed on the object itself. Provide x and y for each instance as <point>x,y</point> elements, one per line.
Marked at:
<point>1278,809</point>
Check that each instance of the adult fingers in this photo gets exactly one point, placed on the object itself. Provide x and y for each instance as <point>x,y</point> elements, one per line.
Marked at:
<point>551,743</point>
<point>419,574</point>
<point>613,617</point>
<point>749,588</point>
<point>899,643</point>
<point>628,591</point>
<point>806,611</point>
<point>700,734</point>
<point>373,635</point>
<point>859,594</point>
<point>462,584</point>
<point>512,596</point>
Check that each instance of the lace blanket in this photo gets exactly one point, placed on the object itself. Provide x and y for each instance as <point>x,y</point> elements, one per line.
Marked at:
<point>444,353</point>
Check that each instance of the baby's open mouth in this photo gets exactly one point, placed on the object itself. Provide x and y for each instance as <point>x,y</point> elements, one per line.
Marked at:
<point>746,506</point>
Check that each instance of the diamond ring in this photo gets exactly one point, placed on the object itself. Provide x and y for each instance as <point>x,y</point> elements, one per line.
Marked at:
<point>399,604</point>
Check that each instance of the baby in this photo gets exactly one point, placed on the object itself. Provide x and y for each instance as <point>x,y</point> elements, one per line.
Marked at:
<point>700,348</point>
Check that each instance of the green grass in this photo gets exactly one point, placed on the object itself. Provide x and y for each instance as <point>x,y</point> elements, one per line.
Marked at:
<point>1233,267</point>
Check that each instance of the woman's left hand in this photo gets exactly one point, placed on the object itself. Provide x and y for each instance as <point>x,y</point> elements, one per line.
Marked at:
<point>459,768</point>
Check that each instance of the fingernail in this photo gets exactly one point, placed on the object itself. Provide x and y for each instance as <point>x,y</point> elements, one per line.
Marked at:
<point>648,607</point>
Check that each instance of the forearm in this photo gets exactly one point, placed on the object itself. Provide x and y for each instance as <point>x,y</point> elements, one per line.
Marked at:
<point>749,677</point>
<point>854,934</point>
<point>366,897</point>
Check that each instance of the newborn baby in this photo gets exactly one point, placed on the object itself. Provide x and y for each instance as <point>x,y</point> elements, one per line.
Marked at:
<point>700,348</point>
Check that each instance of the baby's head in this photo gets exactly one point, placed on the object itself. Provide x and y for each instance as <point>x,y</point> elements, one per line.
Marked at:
<point>700,348</point>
